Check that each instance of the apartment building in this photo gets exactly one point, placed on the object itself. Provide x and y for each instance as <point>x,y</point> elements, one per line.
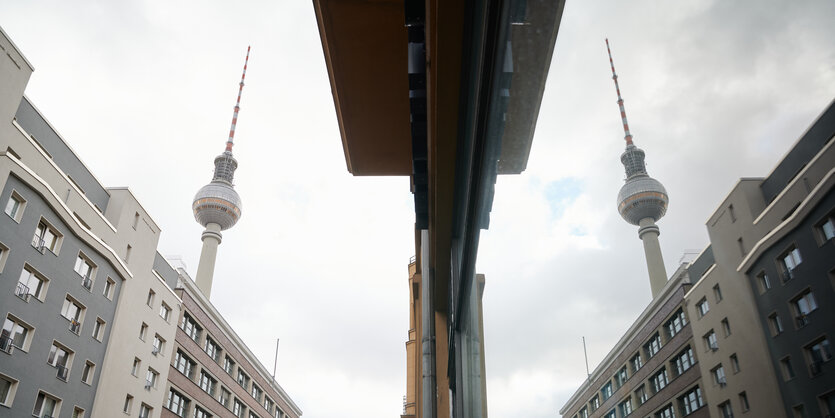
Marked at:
<point>773,262</point>
<point>213,373</point>
<point>652,370</point>
<point>76,257</point>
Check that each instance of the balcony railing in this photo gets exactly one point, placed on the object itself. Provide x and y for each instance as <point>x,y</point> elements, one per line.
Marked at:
<point>714,346</point>
<point>75,326</point>
<point>6,345</point>
<point>87,283</point>
<point>816,368</point>
<point>787,275</point>
<point>39,244</point>
<point>63,372</point>
<point>155,350</point>
<point>22,291</point>
<point>802,320</point>
<point>148,385</point>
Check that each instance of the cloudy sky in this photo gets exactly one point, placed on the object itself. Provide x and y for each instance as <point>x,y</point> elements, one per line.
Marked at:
<point>144,91</point>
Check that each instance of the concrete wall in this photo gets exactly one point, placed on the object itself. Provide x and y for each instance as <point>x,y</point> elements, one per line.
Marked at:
<point>31,368</point>
<point>14,75</point>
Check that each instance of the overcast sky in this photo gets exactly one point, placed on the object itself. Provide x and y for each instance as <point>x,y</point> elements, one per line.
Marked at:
<point>143,91</point>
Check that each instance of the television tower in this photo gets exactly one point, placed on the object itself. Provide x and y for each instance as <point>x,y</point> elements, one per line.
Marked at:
<point>217,205</point>
<point>642,201</point>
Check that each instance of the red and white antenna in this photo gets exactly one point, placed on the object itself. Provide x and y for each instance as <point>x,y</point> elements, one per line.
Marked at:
<point>231,141</point>
<point>628,135</point>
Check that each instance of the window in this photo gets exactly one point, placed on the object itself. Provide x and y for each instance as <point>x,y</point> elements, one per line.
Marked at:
<point>150,300</point>
<point>31,283</point>
<point>743,402</point>
<point>798,411</point>
<point>606,391</point>
<point>788,262</point>
<point>710,340</point>
<point>238,409</point>
<point>85,268</point>
<point>15,206</point>
<point>702,307</point>
<point>734,363</point>
<point>108,288</point>
<point>184,364</point>
<point>741,246</point>
<point>279,413</point>
<point>775,324</point>
<point>72,311</point>
<point>253,415</point>
<point>786,366</point>
<point>725,410</point>
<point>8,387</point>
<point>88,372</point>
<point>684,361</point>
<point>224,397</point>
<point>610,414</point>
<point>625,407</point>
<point>189,326</point>
<point>637,363</point>
<point>151,378</point>
<point>201,413</point>
<point>128,404</point>
<point>137,363</point>
<point>228,365</point>
<point>641,395</point>
<point>726,327</point>
<point>594,403</point>
<point>164,311</point>
<point>46,238</point>
<point>691,401</point>
<point>804,305</point>
<point>98,329</point>
<point>243,379</point>
<point>145,411</point>
<point>659,380</point>
<point>622,376</point>
<point>764,282</point>
<point>143,331</point>
<point>207,383</point>
<point>59,357</point>
<point>159,344</point>
<point>653,346</point>
<point>268,404</point>
<point>826,228</point>
<point>15,333</point>
<point>212,349</point>
<point>584,413</point>
<point>717,292</point>
<point>818,353</point>
<point>127,253</point>
<point>827,403</point>
<point>4,254</point>
<point>77,412</point>
<point>135,220</point>
<point>177,403</point>
<point>256,392</point>
<point>46,405</point>
<point>666,412</point>
<point>676,323</point>
<point>718,373</point>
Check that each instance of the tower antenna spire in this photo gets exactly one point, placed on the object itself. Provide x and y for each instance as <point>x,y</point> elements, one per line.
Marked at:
<point>231,141</point>
<point>628,136</point>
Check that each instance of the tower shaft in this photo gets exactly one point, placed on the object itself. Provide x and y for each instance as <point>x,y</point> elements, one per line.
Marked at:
<point>206,269</point>
<point>649,232</point>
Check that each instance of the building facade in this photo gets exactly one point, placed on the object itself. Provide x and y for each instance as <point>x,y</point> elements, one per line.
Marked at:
<point>773,259</point>
<point>653,369</point>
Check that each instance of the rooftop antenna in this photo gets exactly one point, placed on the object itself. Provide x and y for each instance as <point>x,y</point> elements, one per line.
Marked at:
<point>588,375</point>
<point>275,365</point>
<point>628,135</point>
<point>231,140</point>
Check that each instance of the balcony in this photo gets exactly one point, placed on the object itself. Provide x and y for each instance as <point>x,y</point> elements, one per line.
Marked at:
<point>75,326</point>
<point>22,291</point>
<point>6,345</point>
<point>816,368</point>
<point>39,244</point>
<point>63,372</point>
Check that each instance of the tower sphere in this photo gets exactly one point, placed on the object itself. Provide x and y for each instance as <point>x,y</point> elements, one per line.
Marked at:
<point>217,202</point>
<point>642,197</point>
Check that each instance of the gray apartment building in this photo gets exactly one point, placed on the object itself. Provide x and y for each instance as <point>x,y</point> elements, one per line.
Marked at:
<point>90,309</point>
